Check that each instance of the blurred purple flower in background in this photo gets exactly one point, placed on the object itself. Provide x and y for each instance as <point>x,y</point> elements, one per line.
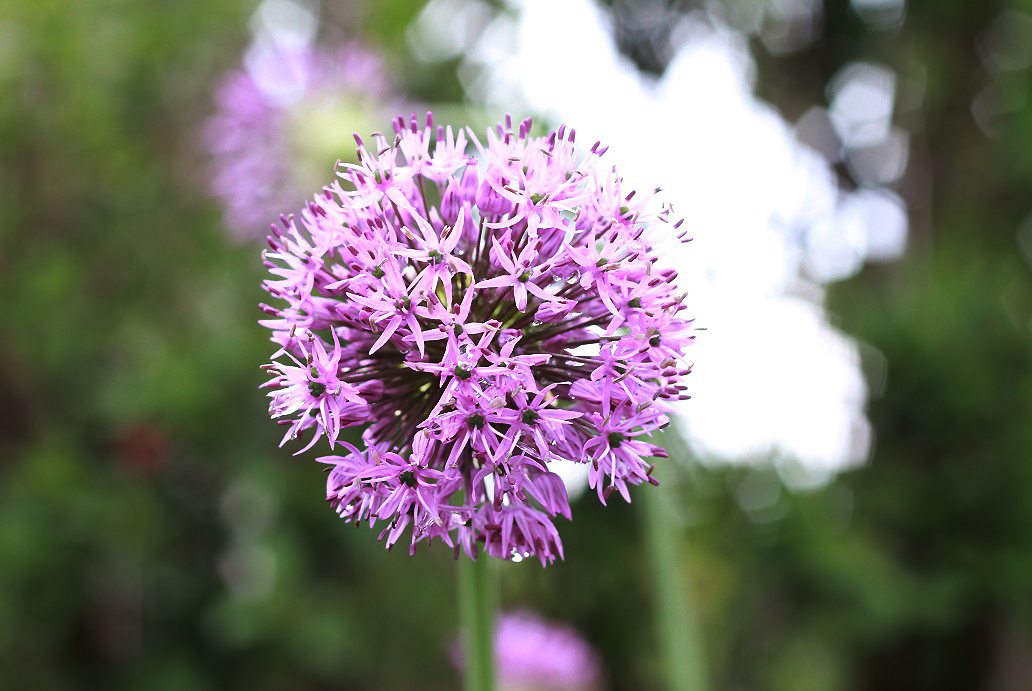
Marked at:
<point>282,118</point>
<point>482,317</point>
<point>534,654</point>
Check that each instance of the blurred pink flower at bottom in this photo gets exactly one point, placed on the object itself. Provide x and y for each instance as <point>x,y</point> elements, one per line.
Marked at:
<point>533,654</point>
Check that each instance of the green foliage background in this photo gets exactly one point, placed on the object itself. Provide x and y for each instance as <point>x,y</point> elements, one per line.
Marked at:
<point>137,461</point>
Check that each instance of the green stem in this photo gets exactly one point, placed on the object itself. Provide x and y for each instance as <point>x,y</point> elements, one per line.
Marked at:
<point>676,618</point>
<point>477,608</point>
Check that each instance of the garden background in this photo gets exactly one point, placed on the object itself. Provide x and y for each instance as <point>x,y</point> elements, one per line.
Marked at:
<point>153,535</point>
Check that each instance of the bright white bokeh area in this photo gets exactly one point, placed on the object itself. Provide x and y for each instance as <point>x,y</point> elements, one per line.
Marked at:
<point>774,380</point>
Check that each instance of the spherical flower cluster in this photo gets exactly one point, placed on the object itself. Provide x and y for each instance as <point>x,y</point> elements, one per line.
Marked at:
<point>533,654</point>
<point>258,137</point>
<point>481,315</point>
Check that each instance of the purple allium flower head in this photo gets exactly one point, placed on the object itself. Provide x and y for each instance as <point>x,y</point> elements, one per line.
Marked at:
<point>533,654</point>
<point>274,115</point>
<point>481,316</point>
